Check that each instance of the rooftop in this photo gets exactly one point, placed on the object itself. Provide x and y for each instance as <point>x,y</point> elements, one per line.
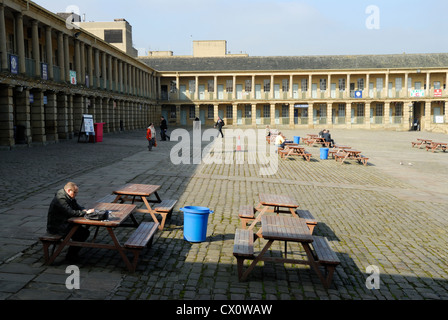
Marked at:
<point>390,61</point>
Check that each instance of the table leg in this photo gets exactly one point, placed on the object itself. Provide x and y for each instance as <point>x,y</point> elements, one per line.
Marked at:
<point>151,212</point>
<point>258,218</point>
<point>256,260</point>
<point>312,262</point>
<point>63,244</point>
<point>120,249</point>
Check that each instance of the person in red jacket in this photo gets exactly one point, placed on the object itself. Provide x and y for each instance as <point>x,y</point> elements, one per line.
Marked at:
<point>151,136</point>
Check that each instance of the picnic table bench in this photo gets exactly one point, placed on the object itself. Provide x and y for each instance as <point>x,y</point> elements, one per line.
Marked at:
<point>436,145</point>
<point>295,150</point>
<point>420,143</point>
<point>312,141</point>
<point>318,251</point>
<point>141,238</point>
<point>350,154</point>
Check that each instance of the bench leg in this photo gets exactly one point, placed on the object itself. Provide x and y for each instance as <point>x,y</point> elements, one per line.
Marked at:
<point>240,265</point>
<point>329,270</point>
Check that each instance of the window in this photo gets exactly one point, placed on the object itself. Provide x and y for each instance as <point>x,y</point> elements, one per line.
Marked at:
<point>267,85</point>
<point>399,109</point>
<point>248,111</point>
<point>192,86</point>
<point>360,84</point>
<point>323,84</point>
<point>379,84</point>
<point>173,87</point>
<point>304,84</point>
<point>398,84</point>
<point>211,85</point>
<point>285,85</point>
<point>113,36</point>
<point>360,110</point>
<point>248,87</point>
<point>437,85</point>
<point>285,111</point>
<point>192,112</point>
<point>173,114</point>
<point>229,86</point>
<point>342,85</point>
<point>418,85</point>
<point>379,110</point>
<point>229,112</point>
<point>266,111</point>
<point>341,110</point>
<point>211,112</point>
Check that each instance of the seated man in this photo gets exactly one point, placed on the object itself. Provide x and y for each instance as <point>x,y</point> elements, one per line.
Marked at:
<point>327,137</point>
<point>62,208</point>
<point>280,141</point>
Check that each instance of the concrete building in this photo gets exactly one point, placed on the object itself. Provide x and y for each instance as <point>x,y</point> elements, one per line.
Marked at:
<point>118,33</point>
<point>52,74</point>
<point>366,91</point>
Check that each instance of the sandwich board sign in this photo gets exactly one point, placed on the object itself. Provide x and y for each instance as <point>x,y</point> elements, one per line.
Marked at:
<point>87,127</point>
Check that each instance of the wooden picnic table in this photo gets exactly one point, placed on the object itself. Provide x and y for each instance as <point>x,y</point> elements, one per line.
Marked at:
<point>288,229</point>
<point>142,193</point>
<point>317,141</point>
<point>295,150</point>
<point>350,154</point>
<point>119,214</point>
<point>433,146</point>
<point>421,143</point>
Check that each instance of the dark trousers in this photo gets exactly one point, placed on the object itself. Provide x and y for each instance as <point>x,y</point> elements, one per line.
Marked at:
<point>151,144</point>
<point>164,135</point>
<point>81,235</point>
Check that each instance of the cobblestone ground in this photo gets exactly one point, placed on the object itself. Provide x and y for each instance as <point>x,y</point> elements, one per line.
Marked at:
<point>391,214</point>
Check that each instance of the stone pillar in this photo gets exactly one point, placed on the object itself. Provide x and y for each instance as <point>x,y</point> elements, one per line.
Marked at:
<point>427,114</point>
<point>6,114</point>
<point>51,117</point>
<point>272,108</point>
<point>78,61</point>
<point>3,40</point>
<point>367,115</point>
<point>90,65</point>
<point>70,104</point>
<point>254,114</point>
<point>66,58</point>
<point>78,110</point>
<point>82,49</point>
<point>61,56</point>
<point>37,109</point>
<point>35,46</point>
<point>104,71</point>
<point>97,70</point>
<point>348,115</point>
<point>310,115</point>
<point>291,115</point>
<point>386,114</point>
<point>329,114</point>
<point>49,51</point>
<point>62,116</point>
<point>20,40</point>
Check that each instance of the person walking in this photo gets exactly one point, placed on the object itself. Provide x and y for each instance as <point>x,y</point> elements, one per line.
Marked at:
<point>219,124</point>
<point>151,136</point>
<point>163,129</point>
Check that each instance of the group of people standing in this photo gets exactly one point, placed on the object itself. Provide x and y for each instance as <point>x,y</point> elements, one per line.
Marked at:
<point>151,133</point>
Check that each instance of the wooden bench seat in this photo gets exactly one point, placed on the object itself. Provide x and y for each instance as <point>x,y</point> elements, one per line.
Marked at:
<point>325,257</point>
<point>243,248</point>
<point>141,238</point>
<point>48,240</point>
<point>311,222</point>
<point>165,209</point>
<point>247,215</point>
<point>363,160</point>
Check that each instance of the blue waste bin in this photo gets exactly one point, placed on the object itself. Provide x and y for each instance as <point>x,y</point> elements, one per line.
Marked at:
<point>324,153</point>
<point>297,140</point>
<point>195,223</point>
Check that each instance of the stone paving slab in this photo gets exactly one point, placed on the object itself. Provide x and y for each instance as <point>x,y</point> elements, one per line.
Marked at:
<point>391,213</point>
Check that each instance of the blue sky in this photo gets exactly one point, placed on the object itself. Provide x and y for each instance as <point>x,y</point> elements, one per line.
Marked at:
<point>276,27</point>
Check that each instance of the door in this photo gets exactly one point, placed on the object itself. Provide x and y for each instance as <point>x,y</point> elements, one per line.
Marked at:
<point>201,89</point>
<point>220,91</point>
<point>183,92</point>
<point>202,116</point>
<point>258,91</point>
<point>183,117</point>
<point>277,116</point>
<point>276,91</point>
<point>333,90</point>
<point>239,115</point>
<point>314,90</point>
<point>295,91</point>
<point>239,91</point>
<point>258,119</point>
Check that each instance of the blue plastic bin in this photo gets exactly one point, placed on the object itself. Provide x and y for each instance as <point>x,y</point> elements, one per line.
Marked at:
<point>297,140</point>
<point>195,223</point>
<point>324,153</point>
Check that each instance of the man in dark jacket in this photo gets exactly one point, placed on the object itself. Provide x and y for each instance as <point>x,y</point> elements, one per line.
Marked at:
<point>163,129</point>
<point>327,137</point>
<point>63,207</point>
<point>219,124</point>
